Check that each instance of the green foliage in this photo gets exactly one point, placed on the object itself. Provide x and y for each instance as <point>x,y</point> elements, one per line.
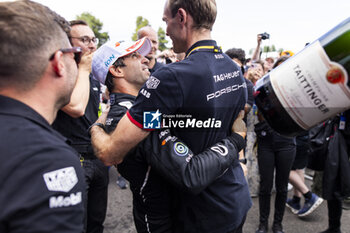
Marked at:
<point>140,22</point>
<point>273,48</point>
<point>96,26</point>
<point>162,40</point>
<point>266,49</point>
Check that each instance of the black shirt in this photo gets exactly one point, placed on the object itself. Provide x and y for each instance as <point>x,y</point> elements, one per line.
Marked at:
<point>151,194</point>
<point>75,129</point>
<point>207,86</point>
<point>41,181</point>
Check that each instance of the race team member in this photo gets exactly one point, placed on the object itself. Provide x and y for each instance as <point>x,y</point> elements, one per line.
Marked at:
<point>151,194</point>
<point>41,181</point>
<point>75,130</point>
<point>152,35</point>
<point>206,85</point>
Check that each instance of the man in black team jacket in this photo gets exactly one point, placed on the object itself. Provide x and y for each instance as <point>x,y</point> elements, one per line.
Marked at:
<point>86,94</point>
<point>206,85</point>
<point>42,185</point>
<point>152,196</point>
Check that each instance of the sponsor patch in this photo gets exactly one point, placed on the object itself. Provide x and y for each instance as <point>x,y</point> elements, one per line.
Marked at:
<point>222,150</point>
<point>145,93</point>
<point>65,201</point>
<point>180,149</point>
<point>126,104</point>
<point>109,121</point>
<point>152,83</point>
<point>163,133</point>
<point>62,180</point>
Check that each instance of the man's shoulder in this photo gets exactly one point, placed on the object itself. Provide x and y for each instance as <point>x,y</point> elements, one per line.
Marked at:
<point>120,103</point>
<point>173,70</point>
<point>21,134</point>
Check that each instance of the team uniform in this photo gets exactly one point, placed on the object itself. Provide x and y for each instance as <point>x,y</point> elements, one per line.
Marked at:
<point>156,66</point>
<point>151,205</point>
<point>96,173</point>
<point>152,195</point>
<point>41,181</point>
<point>208,87</point>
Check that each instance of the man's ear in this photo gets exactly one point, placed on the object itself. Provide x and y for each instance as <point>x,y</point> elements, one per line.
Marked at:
<point>182,14</point>
<point>116,71</point>
<point>57,64</point>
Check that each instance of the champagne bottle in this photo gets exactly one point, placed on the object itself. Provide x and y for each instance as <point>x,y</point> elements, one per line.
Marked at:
<point>309,87</point>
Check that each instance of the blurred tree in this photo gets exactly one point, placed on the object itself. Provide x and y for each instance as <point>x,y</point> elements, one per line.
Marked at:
<point>273,48</point>
<point>266,49</point>
<point>162,40</point>
<point>140,22</point>
<point>96,26</point>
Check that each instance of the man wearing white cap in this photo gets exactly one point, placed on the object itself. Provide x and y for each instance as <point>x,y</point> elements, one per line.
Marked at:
<point>123,69</point>
<point>206,86</point>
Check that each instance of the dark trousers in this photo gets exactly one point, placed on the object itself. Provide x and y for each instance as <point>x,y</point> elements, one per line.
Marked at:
<point>274,153</point>
<point>239,229</point>
<point>334,214</point>
<point>96,177</point>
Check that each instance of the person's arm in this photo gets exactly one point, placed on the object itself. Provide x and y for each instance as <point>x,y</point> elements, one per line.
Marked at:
<point>111,148</point>
<point>169,156</point>
<point>243,164</point>
<point>81,92</point>
<point>166,96</point>
<point>187,171</point>
<point>256,54</point>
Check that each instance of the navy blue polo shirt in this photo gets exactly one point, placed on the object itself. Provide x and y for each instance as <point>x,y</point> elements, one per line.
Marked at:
<point>41,181</point>
<point>207,86</point>
<point>156,66</point>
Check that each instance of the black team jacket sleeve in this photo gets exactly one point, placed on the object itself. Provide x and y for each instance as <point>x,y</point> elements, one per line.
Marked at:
<point>187,172</point>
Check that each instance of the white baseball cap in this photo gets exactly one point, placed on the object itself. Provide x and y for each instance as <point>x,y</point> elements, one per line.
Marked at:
<point>108,53</point>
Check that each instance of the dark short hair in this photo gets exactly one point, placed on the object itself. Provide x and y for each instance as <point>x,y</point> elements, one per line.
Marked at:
<point>109,78</point>
<point>236,53</point>
<point>78,22</point>
<point>74,23</point>
<point>203,12</point>
<point>29,34</point>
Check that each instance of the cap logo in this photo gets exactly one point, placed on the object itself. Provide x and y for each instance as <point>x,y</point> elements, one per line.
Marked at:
<point>109,60</point>
<point>132,47</point>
